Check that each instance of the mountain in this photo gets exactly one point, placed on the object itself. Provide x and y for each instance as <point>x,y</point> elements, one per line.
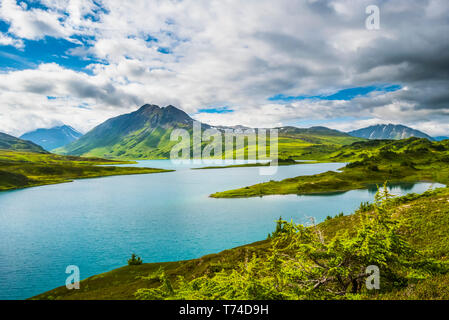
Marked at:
<point>145,134</point>
<point>440,138</point>
<point>8,142</point>
<point>388,131</point>
<point>318,130</point>
<point>52,138</point>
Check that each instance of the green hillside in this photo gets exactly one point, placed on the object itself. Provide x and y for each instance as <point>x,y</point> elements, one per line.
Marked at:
<point>371,162</point>
<point>311,143</point>
<point>297,262</point>
<point>8,142</point>
<point>29,169</point>
<point>142,134</point>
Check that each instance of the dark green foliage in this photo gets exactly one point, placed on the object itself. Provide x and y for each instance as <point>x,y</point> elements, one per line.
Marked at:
<point>365,206</point>
<point>13,180</point>
<point>280,228</point>
<point>135,260</point>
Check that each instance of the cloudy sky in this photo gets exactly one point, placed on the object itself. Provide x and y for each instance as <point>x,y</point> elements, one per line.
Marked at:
<point>254,62</point>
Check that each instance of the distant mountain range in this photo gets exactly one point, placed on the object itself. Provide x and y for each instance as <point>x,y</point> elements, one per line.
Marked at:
<point>145,134</point>
<point>318,130</point>
<point>389,131</point>
<point>52,138</point>
<point>8,142</point>
<point>440,138</point>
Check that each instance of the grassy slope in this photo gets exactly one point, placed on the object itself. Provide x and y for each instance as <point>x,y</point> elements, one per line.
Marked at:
<point>142,144</point>
<point>27,169</point>
<point>136,145</point>
<point>8,142</point>
<point>311,145</point>
<point>305,144</point>
<point>424,220</point>
<point>373,162</point>
<point>123,282</point>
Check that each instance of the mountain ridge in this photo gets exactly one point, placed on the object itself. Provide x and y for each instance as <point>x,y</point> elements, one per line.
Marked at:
<point>388,131</point>
<point>145,134</point>
<point>52,138</point>
<point>142,133</point>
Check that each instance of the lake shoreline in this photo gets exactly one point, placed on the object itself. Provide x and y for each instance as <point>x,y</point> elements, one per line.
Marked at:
<point>20,170</point>
<point>49,183</point>
<point>224,194</point>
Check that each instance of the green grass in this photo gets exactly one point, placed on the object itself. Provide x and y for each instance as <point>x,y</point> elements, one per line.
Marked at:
<point>311,146</point>
<point>373,162</point>
<point>423,220</point>
<point>28,169</point>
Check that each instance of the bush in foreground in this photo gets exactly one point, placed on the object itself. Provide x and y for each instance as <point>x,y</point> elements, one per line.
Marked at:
<point>135,260</point>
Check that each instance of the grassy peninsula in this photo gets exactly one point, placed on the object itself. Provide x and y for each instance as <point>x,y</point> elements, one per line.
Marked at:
<point>413,265</point>
<point>371,162</point>
<point>280,162</point>
<point>20,169</point>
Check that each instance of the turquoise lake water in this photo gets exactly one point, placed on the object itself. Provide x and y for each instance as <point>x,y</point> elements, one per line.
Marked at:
<point>97,223</point>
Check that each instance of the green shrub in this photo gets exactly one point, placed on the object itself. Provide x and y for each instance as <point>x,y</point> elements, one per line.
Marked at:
<point>135,260</point>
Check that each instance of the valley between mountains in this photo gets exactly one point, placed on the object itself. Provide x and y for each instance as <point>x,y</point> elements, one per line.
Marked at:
<point>145,134</point>
<point>411,249</point>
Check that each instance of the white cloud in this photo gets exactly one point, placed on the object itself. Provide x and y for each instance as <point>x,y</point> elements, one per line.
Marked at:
<point>31,24</point>
<point>232,53</point>
<point>6,40</point>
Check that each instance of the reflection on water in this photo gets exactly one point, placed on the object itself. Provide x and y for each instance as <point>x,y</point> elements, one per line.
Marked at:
<point>396,188</point>
<point>324,194</point>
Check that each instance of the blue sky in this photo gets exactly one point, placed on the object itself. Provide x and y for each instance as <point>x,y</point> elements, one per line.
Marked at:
<point>343,94</point>
<point>346,94</point>
<point>47,50</point>
<point>224,109</point>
